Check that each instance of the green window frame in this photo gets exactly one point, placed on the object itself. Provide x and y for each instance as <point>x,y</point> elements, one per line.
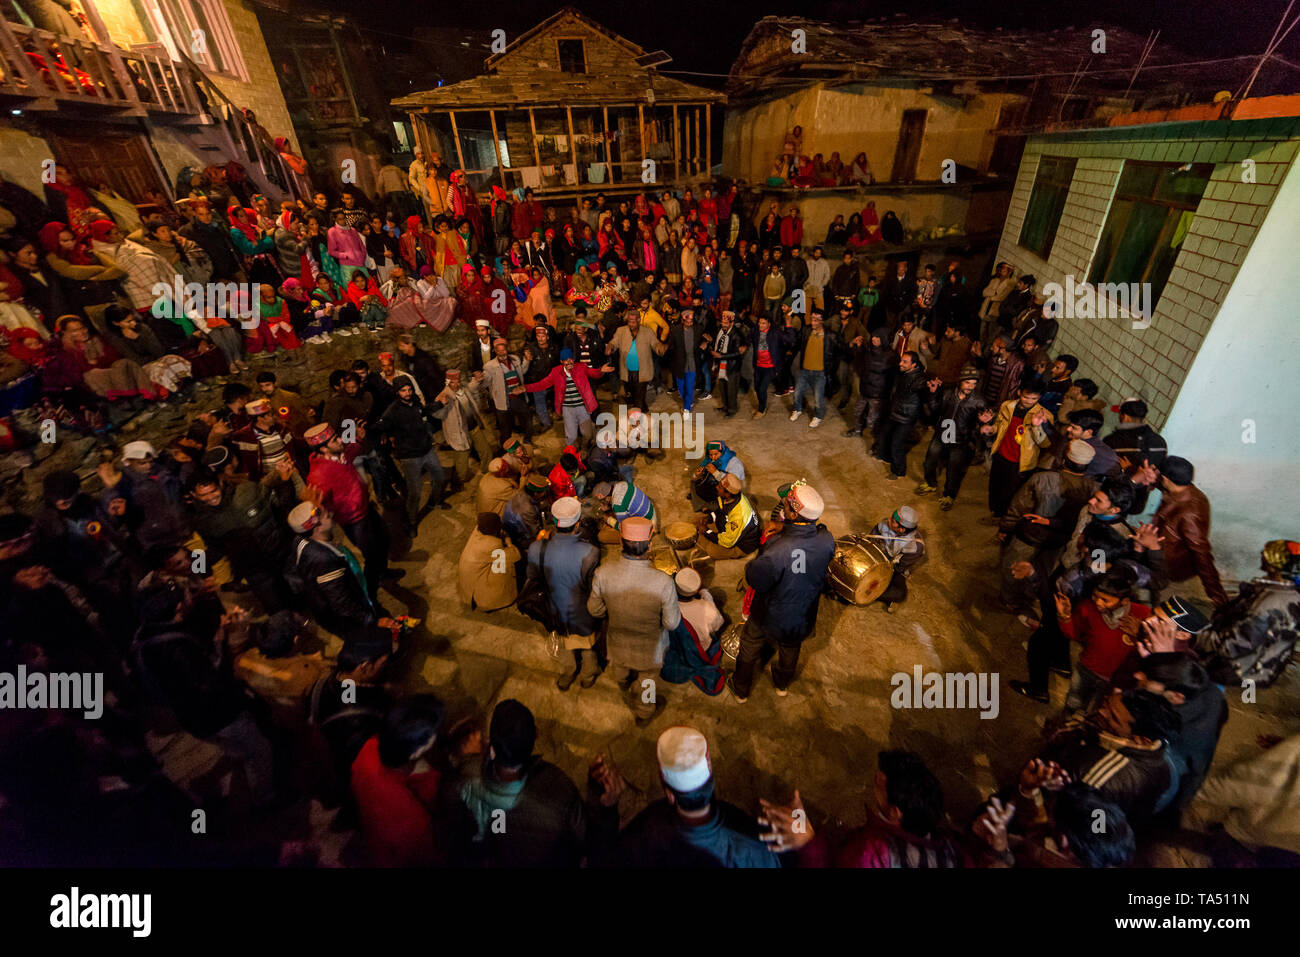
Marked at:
<point>1046,203</point>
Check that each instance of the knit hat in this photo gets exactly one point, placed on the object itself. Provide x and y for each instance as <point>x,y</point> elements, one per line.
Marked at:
<point>216,457</point>
<point>318,435</point>
<point>1184,614</point>
<point>684,759</point>
<point>806,502</point>
<point>968,372</point>
<point>482,324</point>
<point>1178,470</point>
<point>304,517</point>
<point>688,582</point>
<point>139,449</point>
<point>1080,452</point>
<point>566,511</point>
<point>402,381</point>
<point>636,529</point>
<point>905,515</point>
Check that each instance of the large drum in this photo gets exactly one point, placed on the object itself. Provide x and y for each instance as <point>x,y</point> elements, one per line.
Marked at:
<point>731,640</point>
<point>681,535</point>
<point>860,571</point>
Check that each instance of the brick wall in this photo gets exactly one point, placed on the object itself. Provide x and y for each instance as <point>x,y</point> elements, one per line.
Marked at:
<point>1153,362</point>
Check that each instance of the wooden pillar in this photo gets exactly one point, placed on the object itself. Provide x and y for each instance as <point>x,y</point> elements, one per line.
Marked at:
<point>455,135</point>
<point>573,145</point>
<point>708,139</point>
<point>695,136</point>
<point>640,121</point>
<point>537,156</point>
<point>604,139</point>
<point>114,55</point>
<point>677,160</point>
<point>496,146</point>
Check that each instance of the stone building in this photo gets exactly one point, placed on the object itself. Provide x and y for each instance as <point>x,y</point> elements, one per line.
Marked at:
<point>1200,208</point>
<point>566,108</point>
<point>130,92</point>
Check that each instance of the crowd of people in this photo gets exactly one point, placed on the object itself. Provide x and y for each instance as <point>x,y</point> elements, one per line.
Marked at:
<point>198,576</point>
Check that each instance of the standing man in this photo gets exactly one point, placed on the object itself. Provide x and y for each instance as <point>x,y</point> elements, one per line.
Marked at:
<point>905,400</point>
<point>1184,520</point>
<point>787,576</point>
<point>464,423</point>
<point>334,482</point>
<point>961,422</point>
<point>641,602</point>
<point>575,397</point>
<point>405,425</point>
<point>566,563</point>
<point>417,176</point>
<point>636,346</point>
<point>817,353</point>
<point>505,381</point>
<point>1019,438</point>
<point>729,349</point>
<point>819,277</point>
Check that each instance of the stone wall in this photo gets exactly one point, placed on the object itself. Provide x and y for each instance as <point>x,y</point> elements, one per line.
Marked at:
<point>1153,362</point>
<point>604,56</point>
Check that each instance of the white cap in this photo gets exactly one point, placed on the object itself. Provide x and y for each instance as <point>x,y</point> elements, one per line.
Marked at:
<point>138,450</point>
<point>482,324</point>
<point>807,502</point>
<point>566,511</point>
<point>688,582</point>
<point>304,517</point>
<point>684,759</point>
<point>1080,452</point>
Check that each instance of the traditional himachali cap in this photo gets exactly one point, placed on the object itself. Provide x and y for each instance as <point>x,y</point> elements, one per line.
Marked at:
<point>258,407</point>
<point>688,582</point>
<point>731,483</point>
<point>482,324</point>
<point>1184,614</point>
<point>807,502</point>
<point>495,465</point>
<point>304,517</point>
<point>905,515</point>
<point>1080,452</point>
<point>566,511</point>
<point>318,435</point>
<point>684,759</point>
<point>137,450</point>
<point>385,356</point>
<point>536,483</point>
<point>636,529</point>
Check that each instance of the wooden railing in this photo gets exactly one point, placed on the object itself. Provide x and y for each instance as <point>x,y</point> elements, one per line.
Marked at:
<point>51,71</point>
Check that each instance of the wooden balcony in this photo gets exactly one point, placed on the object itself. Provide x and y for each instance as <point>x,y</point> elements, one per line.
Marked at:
<point>40,70</point>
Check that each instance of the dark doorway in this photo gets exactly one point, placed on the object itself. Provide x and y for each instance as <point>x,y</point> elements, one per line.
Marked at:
<point>908,153</point>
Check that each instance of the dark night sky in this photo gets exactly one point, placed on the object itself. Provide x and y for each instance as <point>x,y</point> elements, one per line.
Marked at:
<point>705,35</point>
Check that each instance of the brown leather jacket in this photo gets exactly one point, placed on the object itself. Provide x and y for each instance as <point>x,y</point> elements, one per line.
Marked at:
<point>1184,519</point>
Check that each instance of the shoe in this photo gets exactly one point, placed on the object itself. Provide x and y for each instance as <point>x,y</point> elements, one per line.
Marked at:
<point>946,502</point>
<point>782,692</point>
<point>925,488</point>
<point>625,682</point>
<point>814,423</point>
<point>842,405</point>
<point>1030,623</point>
<point>589,681</point>
<point>758,415</point>
<point>564,682</point>
<point>659,707</point>
<point>795,415</point>
<point>328,337</point>
<point>706,395</point>
<point>732,688</point>
<point>1024,688</point>
<point>889,607</point>
<point>852,433</point>
<point>892,477</point>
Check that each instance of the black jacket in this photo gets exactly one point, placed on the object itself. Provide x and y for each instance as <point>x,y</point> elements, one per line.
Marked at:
<point>964,413</point>
<point>846,281</point>
<point>787,576</point>
<point>876,367</point>
<point>899,293</point>
<point>907,395</point>
<point>427,371</point>
<point>595,347</point>
<point>830,348</point>
<point>780,339</point>
<point>336,595</point>
<point>406,425</point>
<point>677,349</point>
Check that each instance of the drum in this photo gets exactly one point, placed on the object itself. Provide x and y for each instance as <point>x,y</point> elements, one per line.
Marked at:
<point>681,535</point>
<point>860,571</point>
<point>666,560</point>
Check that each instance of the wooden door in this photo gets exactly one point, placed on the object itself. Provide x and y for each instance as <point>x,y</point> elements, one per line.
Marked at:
<point>908,152</point>
<point>121,159</point>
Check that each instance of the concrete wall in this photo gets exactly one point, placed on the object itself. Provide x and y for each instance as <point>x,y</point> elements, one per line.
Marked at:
<point>916,209</point>
<point>1154,362</point>
<point>21,156</point>
<point>1244,376</point>
<point>856,119</point>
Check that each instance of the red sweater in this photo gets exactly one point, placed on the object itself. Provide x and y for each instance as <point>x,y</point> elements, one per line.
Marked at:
<point>394,808</point>
<point>791,231</point>
<point>555,379</point>
<point>1104,648</point>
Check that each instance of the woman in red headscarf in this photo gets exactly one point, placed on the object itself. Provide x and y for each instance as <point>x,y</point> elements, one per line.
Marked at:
<point>470,292</point>
<point>416,245</point>
<point>69,202</point>
<point>257,245</point>
<point>871,225</point>
<point>363,292</point>
<point>84,279</point>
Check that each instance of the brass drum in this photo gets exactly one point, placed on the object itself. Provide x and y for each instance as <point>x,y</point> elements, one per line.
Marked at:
<point>860,571</point>
<point>731,640</point>
<point>681,535</point>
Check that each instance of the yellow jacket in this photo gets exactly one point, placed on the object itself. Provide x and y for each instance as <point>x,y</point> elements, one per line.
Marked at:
<point>1033,439</point>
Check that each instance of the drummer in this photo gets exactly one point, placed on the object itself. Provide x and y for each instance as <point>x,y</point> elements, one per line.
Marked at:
<point>617,502</point>
<point>719,461</point>
<point>900,538</point>
<point>730,527</point>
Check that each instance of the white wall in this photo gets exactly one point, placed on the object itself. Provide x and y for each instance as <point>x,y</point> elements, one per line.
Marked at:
<point>1248,368</point>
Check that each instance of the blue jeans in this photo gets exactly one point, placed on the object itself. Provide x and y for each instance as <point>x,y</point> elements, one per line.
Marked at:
<point>686,386</point>
<point>817,382</point>
<point>762,383</point>
<point>542,402</point>
<point>413,471</point>
<point>706,370</point>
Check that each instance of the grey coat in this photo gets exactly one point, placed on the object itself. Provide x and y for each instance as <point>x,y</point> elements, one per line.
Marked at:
<point>641,602</point>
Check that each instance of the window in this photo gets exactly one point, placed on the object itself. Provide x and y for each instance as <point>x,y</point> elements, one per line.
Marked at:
<point>1051,186</point>
<point>1148,220</point>
<point>202,32</point>
<point>572,55</point>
